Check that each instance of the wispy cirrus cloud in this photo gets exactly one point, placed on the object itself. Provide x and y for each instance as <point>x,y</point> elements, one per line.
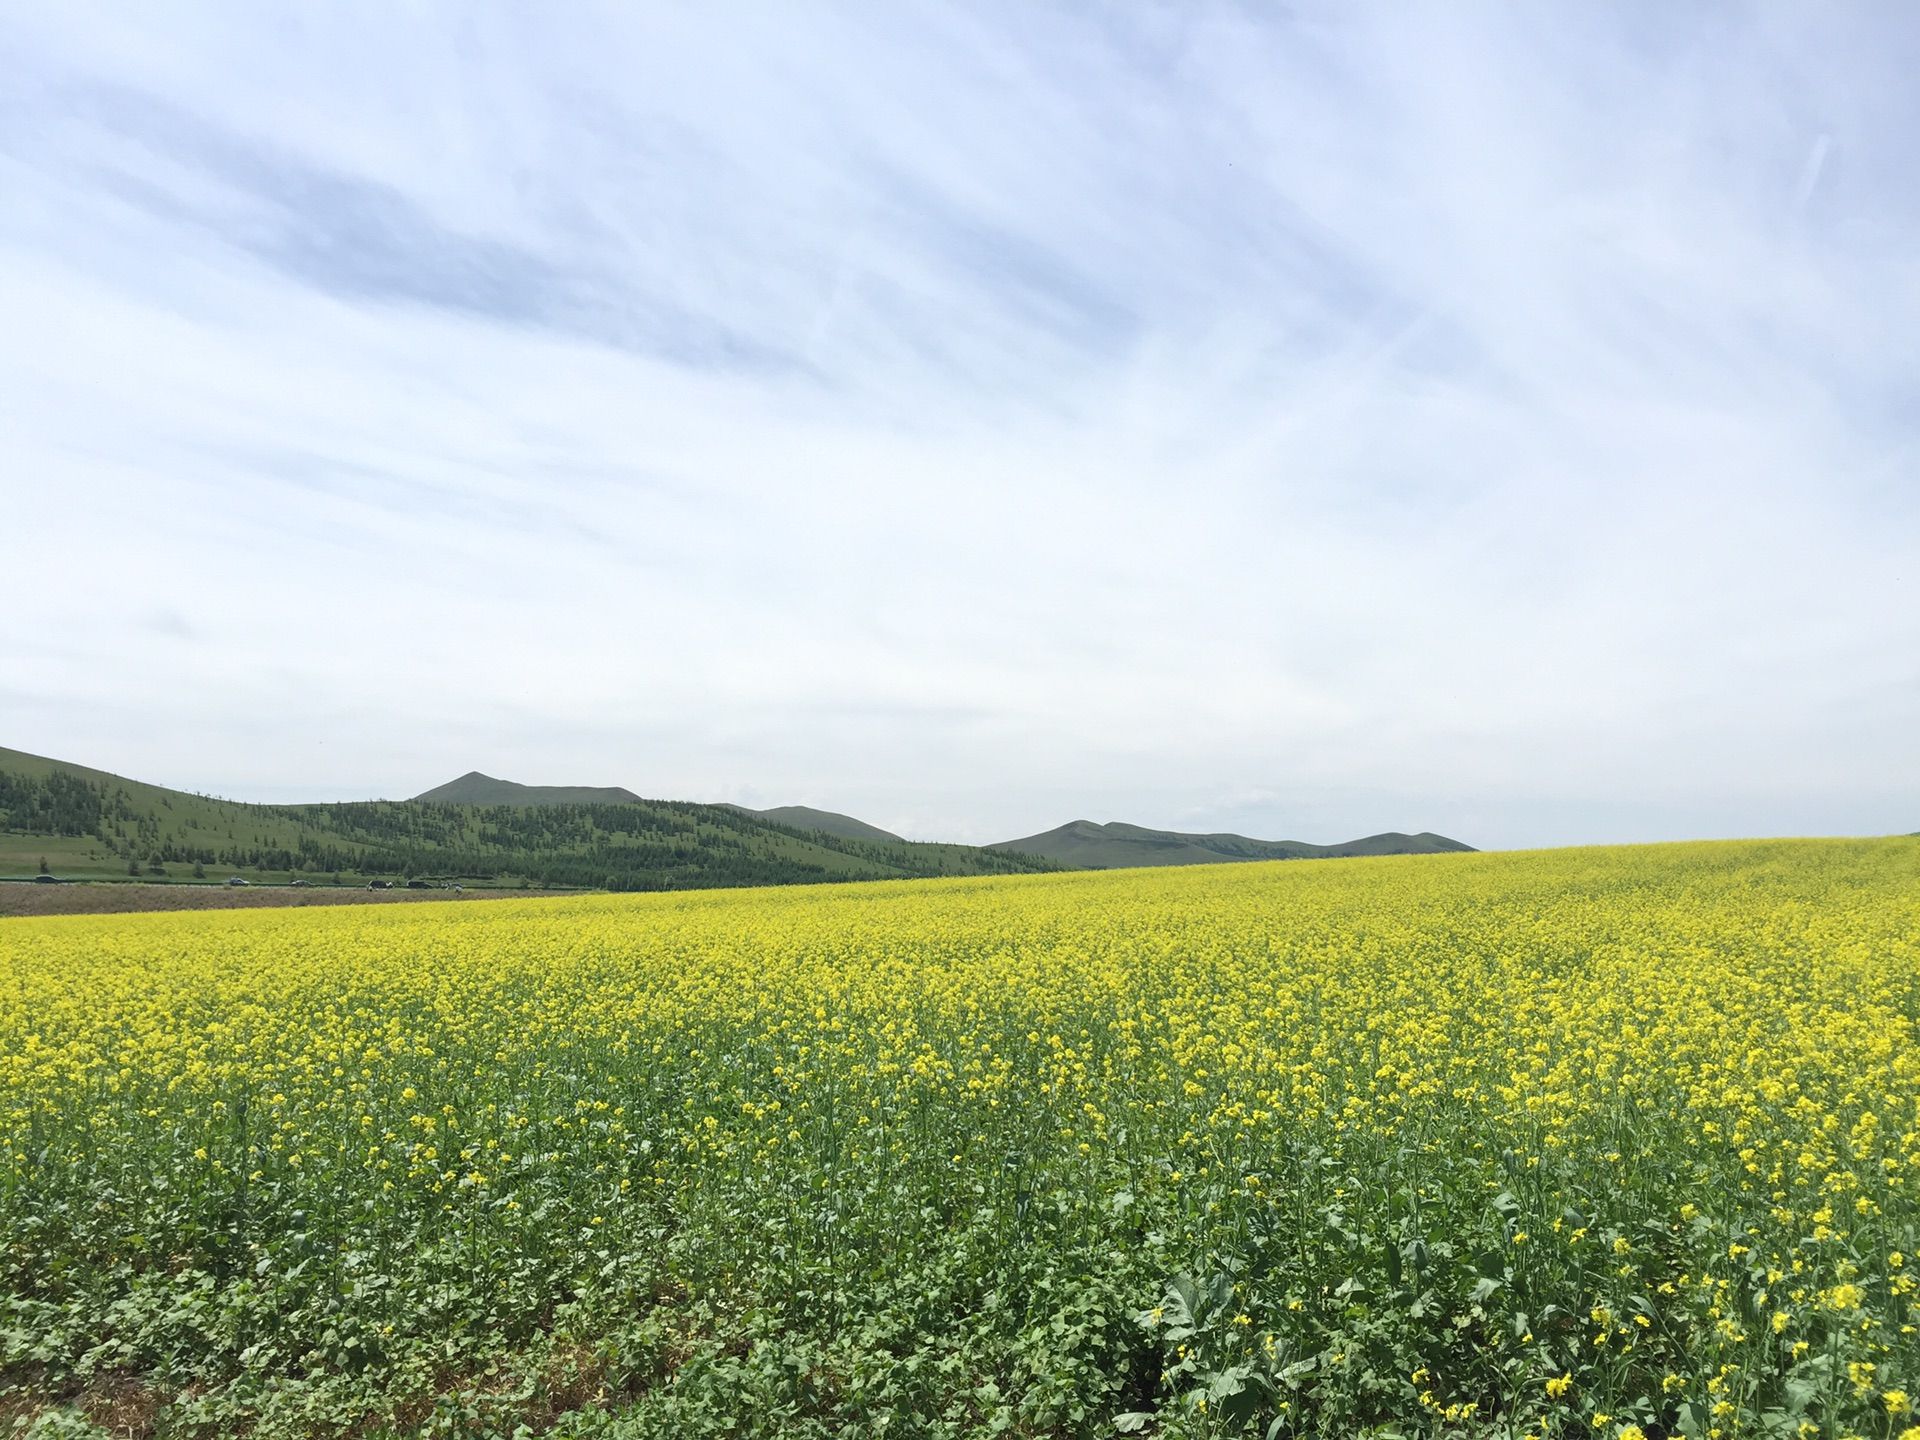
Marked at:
<point>1307,423</point>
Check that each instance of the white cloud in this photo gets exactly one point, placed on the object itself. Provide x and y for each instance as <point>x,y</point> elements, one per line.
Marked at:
<point>1400,417</point>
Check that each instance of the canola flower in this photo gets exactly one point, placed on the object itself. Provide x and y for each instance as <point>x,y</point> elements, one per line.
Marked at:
<point>1571,1142</point>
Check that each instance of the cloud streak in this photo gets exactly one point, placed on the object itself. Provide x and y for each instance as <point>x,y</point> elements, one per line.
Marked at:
<point>1311,423</point>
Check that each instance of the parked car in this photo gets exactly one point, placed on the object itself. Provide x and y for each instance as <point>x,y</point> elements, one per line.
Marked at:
<point>238,880</point>
<point>46,879</point>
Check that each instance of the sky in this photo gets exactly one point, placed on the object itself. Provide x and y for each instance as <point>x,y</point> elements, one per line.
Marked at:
<point>1304,421</point>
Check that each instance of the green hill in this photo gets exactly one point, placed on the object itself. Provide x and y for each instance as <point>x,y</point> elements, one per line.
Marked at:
<point>1084,845</point>
<point>84,823</point>
<point>473,788</point>
<point>805,817</point>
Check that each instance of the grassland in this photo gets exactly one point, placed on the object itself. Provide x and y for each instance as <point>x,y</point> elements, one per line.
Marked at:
<point>1611,1143</point>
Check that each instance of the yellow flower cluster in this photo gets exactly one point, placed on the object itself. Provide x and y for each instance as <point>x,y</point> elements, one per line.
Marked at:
<point>1692,1070</point>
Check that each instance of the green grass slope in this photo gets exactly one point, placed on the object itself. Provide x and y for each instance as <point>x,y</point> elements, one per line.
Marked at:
<point>1084,845</point>
<point>88,824</point>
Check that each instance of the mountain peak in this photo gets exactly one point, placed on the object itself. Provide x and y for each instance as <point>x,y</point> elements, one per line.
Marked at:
<point>476,788</point>
<point>831,822</point>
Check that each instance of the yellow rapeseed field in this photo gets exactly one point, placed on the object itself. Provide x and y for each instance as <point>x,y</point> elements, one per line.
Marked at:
<point>1613,1143</point>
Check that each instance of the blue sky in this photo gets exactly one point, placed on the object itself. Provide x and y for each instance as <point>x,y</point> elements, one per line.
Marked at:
<point>1305,421</point>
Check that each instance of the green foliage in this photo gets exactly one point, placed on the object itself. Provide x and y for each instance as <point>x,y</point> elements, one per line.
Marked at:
<point>53,804</point>
<point>61,1424</point>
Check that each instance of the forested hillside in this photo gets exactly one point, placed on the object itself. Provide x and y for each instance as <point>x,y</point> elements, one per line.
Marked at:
<point>88,823</point>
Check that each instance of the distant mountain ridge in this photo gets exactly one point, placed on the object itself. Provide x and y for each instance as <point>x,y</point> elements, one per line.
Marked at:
<point>78,820</point>
<point>805,817</point>
<point>1085,845</point>
<point>473,788</point>
<point>1078,845</point>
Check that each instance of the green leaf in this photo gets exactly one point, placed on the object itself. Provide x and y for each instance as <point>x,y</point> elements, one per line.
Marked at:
<point>1219,1295</point>
<point>1292,1375</point>
<point>1183,1300</point>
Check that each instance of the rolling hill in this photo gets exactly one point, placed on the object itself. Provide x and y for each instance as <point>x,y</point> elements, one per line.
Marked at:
<point>805,817</point>
<point>473,788</point>
<point>86,823</point>
<point>1084,845</point>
